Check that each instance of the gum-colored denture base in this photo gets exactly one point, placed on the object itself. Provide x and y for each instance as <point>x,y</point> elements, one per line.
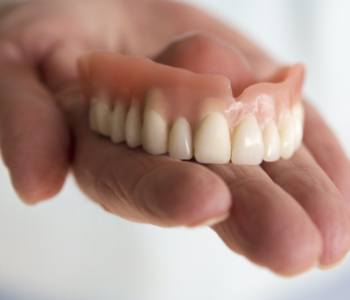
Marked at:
<point>188,115</point>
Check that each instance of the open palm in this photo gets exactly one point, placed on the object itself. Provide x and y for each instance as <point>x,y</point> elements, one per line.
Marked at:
<point>287,215</point>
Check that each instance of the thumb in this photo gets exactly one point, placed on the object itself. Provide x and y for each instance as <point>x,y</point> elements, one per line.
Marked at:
<point>34,139</point>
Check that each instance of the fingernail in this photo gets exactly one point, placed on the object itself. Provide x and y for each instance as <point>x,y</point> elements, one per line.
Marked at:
<point>211,222</point>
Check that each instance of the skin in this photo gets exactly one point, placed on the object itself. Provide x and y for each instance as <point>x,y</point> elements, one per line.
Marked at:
<point>287,216</point>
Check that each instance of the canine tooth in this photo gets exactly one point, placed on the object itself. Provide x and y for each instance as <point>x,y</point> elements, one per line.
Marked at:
<point>118,122</point>
<point>180,140</point>
<point>247,143</point>
<point>154,133</point>
<point>103,115</point>
<point>212,143</point>
<point>93,115</point>
<point>133,126</point>
<point>272,142</point>
<point>298,116</point>
<point>287,135</point>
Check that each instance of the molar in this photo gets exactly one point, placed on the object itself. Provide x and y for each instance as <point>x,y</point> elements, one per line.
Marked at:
<point>133,125</point>
<point>118,122</point>
<point>287,135</point>
<point>180,140</point>
<point>212,143</point>
<point>154,129</point>
<point>272,142</point>
<point>247,143</point>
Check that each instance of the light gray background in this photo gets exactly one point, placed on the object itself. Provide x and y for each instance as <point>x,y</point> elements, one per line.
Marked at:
<point>69,248</point>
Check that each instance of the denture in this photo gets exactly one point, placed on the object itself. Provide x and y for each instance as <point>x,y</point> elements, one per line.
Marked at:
<point>187,115</point>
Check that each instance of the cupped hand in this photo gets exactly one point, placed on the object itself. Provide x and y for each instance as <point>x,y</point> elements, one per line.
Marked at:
<point>287,216</point>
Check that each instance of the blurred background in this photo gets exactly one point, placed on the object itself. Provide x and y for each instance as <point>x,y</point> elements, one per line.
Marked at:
<point>69,248</point>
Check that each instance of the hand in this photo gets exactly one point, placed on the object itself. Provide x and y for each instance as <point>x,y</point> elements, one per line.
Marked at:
<point>287,216</point>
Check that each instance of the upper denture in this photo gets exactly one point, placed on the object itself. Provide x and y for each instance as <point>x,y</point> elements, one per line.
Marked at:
<point>149,100</point>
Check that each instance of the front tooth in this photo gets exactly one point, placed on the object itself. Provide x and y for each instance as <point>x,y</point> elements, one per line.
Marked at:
<point>298,116</point>
<point>118,122</point>
<point>212,140</point>
<point>133,126</point>
<point>271,142</point>
<point>180,140</point>
<point>287,136</point>
<point>154,133</point>
<point>247,143</point>
<point>103,117</point>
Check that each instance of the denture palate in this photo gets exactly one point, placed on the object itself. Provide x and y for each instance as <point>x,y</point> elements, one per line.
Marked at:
<point>173,111</point>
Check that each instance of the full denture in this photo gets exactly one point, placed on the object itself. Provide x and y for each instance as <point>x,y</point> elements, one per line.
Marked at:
<point>166,109</point>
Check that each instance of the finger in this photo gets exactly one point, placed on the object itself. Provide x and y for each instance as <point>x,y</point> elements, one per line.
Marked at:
<point>142,187</point>
<point>327,150</point>
<point>33,138</point>
<point>266,224</point>
<point>145,40</point>
<point>302,178</point>
<point>201,53</point>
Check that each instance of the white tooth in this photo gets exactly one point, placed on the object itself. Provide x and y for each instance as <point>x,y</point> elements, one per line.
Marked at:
<point>103,114</point>
<point>298,116</point>
<point>133,126</point>
<point>154,129</point>
<point>118,122</point>
<point>287,136</point>
<point>154,133</point>
<point>247,143</point>
<point>271,142</point>
<point>180,140</point>
<point>93,115</point>
<point>212,143</point>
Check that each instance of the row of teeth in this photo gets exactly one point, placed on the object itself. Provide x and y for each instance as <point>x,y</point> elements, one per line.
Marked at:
<point>212,142</point>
